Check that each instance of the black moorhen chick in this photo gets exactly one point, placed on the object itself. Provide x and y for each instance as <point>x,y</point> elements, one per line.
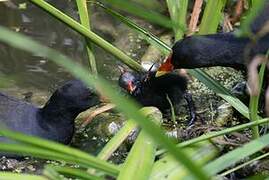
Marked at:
<point>149,90</point>
<point>55,121</point>
<point>221,49</point>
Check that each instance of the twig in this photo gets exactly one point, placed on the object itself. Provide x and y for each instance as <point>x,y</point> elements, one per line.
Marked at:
<point>97,112</point>
<point>195,16</point>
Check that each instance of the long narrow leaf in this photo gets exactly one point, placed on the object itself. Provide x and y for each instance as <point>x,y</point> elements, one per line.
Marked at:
<point>121,135</point>
<point>85,21</point>
<point>178,14</point>
<point>87,33</point>
<point>168,168</point>
<point>135,9</point>
<point>234,156</point>
<point>141,157</point>
<point>16,176</point>
<point>148,36</point>
<point>48,154</point>
<point>72,172</point>
<point>219,133</point>
<point>212,16</point>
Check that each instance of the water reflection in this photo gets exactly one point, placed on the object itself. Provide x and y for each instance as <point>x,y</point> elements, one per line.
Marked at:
<point>27,70</point>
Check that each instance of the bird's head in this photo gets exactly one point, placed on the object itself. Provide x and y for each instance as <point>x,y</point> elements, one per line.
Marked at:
<point>130,81</point>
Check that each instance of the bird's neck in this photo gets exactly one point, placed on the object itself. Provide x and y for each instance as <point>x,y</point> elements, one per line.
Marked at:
<point>58,113</point>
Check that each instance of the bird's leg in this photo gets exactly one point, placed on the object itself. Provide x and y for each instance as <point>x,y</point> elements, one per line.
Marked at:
<point>191,107</point>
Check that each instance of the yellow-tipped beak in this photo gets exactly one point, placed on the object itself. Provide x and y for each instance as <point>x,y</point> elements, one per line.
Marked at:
<point>166,67</point>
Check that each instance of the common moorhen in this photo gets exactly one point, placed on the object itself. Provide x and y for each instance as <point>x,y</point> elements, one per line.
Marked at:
<point>221,49</point>
<point>55,121</point>
<point>149,90</point>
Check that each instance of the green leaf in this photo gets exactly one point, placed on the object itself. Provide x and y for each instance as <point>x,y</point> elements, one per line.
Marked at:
<point>221,91</point>
<point>16,176</point>
<point>139,11</point>
<point>87,33</point>
<point>142,155</point>
<point>168,168</point>
<point>212,16</point>
<point>85,21</point>
<point>178,13</point>
<point>236,155</point>
<point>148,36</point>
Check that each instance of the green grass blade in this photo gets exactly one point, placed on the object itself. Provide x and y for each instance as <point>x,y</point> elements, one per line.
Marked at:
<point>16,176</point>
<point>141,157</point>
<point>139,11</point>
<point>254,103</point>
<point>178,13</point>
<point>121,135</point>
<point>212,16</point>
<point>44,148</point>
<point>52,174</point>
<point>85,21</point>
<point>256,7</point>
<point>128,107</point>
<point>236,155</point>
<point>168,168</point>
<point>117,140</point>
<point>218,133</point>
<point>87,33</point>
<point>148,36</point>
<point>244,164</point>
<point>139,162</point>
<point>72,172</point>
<point>221,91</point>
<point>49,154</point>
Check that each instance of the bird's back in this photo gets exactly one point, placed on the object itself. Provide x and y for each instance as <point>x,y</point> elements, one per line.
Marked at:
<point>17,115</point>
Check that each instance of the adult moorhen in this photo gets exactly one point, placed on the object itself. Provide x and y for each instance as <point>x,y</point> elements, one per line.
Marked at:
<point>221,49</point>
<point>55,121</point>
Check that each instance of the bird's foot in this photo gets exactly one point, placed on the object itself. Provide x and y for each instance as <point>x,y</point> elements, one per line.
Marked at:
<point>191,107</point>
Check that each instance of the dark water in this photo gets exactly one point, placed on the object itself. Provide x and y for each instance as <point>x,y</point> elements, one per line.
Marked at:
<point>21,70</point>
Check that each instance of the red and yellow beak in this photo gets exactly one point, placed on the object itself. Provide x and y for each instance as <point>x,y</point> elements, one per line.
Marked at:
<point>166,67</point>
<point>131,87</point>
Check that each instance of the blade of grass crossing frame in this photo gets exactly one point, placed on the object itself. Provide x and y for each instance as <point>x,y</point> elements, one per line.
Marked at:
<point>121,135</point>
<point>85,21</point>
<point>139,11</point>
<point>87,33</point>
<point>236,155</point>
<point>148,36</point>
<point>221,91</point>
<point>16,176</point>
<point>212,16</point>
<point>142,155</point>
<point>72,172</point>
<point>211,135</point>
<point>178,13</point>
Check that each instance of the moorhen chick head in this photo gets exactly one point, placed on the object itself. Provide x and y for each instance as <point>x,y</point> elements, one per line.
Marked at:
<point>150,90</point>
<point>131,82</point>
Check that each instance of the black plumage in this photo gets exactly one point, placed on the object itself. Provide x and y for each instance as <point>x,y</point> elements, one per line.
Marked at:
<point>220,49</point>
<point>150,90</point>
<point>55,121</point>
